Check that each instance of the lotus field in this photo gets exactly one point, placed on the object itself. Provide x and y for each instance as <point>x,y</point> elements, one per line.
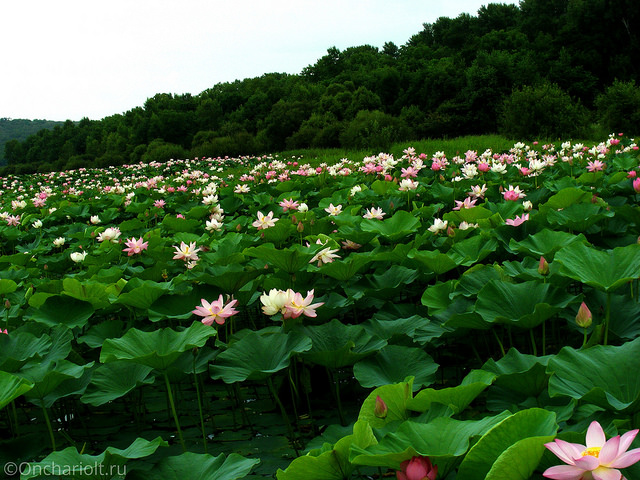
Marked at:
<point>460,315</point>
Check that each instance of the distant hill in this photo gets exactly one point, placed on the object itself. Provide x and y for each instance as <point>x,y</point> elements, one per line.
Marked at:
<point>19,129</point>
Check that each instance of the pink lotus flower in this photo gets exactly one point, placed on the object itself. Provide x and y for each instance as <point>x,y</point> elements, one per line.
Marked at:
<point>4,331</point>
<point>215,311</point>
<point>513,194</point>
<point>467,203</point>
<point>289,204</point>
<point>519,220</point>
<point>636,185</point>
<point>302,306</point>
<point>418,468</point>
<point>186,252</point>
<point>598,460</point>
<point>135,246</point>
<point>595,166</point>
<point>13,220</point>
<point>159,203</point>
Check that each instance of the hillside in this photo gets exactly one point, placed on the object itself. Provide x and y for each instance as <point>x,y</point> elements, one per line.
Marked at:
<point>20,130</point>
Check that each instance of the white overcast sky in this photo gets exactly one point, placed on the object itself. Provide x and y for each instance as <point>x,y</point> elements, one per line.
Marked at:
<point>69,59</point>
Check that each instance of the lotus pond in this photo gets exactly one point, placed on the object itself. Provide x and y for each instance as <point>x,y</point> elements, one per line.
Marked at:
<point>439,314</point>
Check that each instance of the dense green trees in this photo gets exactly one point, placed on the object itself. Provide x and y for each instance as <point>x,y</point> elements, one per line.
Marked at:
<point>540,68</point>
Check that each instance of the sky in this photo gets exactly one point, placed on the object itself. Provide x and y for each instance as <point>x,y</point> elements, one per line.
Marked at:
<point>69,59</point>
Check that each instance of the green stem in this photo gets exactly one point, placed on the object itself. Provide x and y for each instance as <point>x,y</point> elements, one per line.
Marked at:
<point>606,319</point>
<point>584,340</point>
<point>499,342</point>
<point>51,437</point>
<point>173,411</point>
<point>285,417</point>
<point>195,379</point>
<point>15,418</point>
<point>544,337</point>
<point>533,343</point>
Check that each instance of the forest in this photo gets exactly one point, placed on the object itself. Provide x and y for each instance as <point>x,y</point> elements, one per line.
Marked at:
<point>20,129</point>
<point>542,69</point>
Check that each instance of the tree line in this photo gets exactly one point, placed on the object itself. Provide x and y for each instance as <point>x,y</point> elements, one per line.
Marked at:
<point>540,69</point>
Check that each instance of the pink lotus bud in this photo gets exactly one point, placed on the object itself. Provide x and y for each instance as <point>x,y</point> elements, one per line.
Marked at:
<point>584,317</point>
<point>450,231</point>
<point>238,227</point>
<point>300,227</point>
<point>381,409</point>
<point>636,185</point>
<point>418,468</point>
<point>543,266</point>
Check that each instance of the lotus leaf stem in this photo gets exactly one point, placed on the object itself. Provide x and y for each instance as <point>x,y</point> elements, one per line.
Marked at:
<point>173,411</point>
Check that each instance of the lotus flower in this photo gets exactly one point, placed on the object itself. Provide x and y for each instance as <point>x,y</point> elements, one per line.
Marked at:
<point>418,468</point>
<point>276,301</point>
<point>598,460</point>
<point>289,204</point>
<point>215,311</point>
<point>302,306</point>
<point>519,220</point>
<point>135,246</point>
<point>186,252</point>
<point>78,257</point>
<point>326,255</point>
<point>264,221</point>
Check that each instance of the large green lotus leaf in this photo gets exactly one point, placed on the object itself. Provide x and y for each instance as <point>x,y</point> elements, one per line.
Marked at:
<point>393,277</point>
<point>606,270</point>
<point>97,334</point>
<point>525,305</point>
<point>291,260</point>
<point>257,356</point>
<point>438,297</point>
<point>401,224</point>
<point>395,327</point>
<point>60,309</point>
<point>444,440</point>
<point>579,217</point>
<point>7,286</point>
<point>109,464</point>
<point>348,268</point>
<point>156,349</point>
<point>280,232</point>
<point>12,387</point>
<point>97,294</point>
<point>525,375</point>
<point>174,224</point>
<point>198,466</point>
<point>469,215</point>
<point>16,349</point>
<point>395,396</point>
<point>472,250</point>
<point>332,461</point>
<point>180,306</point>
<point>506,438</point>
<point>545,243</point>
<point>114,380</point>
<point>230,278</point>
<point>336,345</point>
<point>476,277</point>
<point>602,375</point>
<point>144,294</point>
<point>394,363</point>
<point>434,260</point>
<point>565,198</point>
<point>355,234</point>
<point>625,323</point>
<point>457,398</point>
<point>54,380</point>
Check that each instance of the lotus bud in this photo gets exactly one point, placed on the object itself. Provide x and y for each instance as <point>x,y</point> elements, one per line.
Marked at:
<point>294,220</point>
<point>543,266</point>
<point>238,227</point>
<point>584,317</point>
<point>418,468</point>
<point>7,304</point>
<point>450,231</point>
<point>636,185</point>
<point>300,227</point>
<point>381,409</point>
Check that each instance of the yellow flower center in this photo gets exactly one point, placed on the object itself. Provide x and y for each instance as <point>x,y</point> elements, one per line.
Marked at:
<point>592,451</point>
